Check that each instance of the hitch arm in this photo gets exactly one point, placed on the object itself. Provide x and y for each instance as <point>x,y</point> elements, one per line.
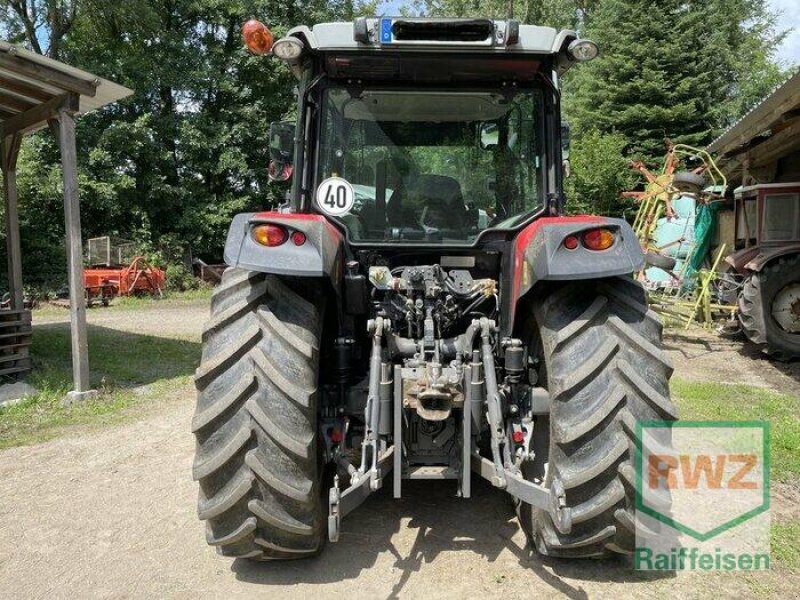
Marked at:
<point>340,504</point>
<point>552,499</point>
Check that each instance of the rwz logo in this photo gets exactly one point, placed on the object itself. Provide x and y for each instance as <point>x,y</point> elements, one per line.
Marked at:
<point>702,478</point>
<point>689,472</point>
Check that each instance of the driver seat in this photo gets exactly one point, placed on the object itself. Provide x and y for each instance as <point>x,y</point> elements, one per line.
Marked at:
<point>442,202</point>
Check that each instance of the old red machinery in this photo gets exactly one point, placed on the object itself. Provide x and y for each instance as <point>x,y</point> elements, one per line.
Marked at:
<point>138,278</point>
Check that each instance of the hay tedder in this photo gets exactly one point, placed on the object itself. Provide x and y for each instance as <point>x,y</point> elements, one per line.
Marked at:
<point>756,288</point>
<point>115,270</point>
<point>674,223</point>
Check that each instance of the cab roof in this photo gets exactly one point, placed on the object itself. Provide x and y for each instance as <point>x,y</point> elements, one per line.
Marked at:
<point>415,34</point>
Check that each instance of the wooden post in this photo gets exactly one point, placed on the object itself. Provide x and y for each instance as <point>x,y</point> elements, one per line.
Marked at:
<point>64,127</point>
<point>10,152</point>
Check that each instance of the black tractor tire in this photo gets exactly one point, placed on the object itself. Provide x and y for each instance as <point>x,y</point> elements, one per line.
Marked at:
<point>688,182</point>
<point>605,371</point>
<point>256,421</point>
<point>654,259</point>
<point>755,308</point>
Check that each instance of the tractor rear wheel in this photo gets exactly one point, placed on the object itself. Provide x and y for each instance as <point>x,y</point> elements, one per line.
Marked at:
<point>605,371</point>
<point>256,425</point>
<point>769,308</point>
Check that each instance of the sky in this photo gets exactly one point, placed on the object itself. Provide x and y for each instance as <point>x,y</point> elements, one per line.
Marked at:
<point>788,53</point>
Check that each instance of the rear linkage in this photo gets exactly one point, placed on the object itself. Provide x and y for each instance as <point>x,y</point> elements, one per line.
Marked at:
<point>482,398</point>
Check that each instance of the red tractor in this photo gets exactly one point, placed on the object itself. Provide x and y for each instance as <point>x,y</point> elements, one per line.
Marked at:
<point>421,306</point>
<point>765,277</point>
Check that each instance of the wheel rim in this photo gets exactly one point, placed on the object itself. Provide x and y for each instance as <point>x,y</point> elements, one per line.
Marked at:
<point>786,308</point>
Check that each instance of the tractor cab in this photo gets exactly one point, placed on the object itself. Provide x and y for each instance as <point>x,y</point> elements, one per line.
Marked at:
<point>430,131</point>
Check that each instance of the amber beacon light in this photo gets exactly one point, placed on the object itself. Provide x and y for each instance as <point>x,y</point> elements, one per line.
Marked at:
<point>257,37</point>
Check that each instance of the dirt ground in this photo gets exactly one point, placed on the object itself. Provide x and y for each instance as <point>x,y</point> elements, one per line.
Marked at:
<point>702,355</point>
<point>111,514</point>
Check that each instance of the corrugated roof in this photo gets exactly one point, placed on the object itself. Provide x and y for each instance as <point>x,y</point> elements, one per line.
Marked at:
<point>28,80</point>
<point>760,118</point>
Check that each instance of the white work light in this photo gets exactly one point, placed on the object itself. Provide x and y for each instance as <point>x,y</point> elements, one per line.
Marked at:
<point>582,50</point>
<point>288,48</point>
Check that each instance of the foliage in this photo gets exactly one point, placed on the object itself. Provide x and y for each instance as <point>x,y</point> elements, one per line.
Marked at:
<point>675,72</point>
<point>563,14</point>
<point>188,150</point>
<point>180,278</point>
<point>599,171</point>
<point>25,20</point>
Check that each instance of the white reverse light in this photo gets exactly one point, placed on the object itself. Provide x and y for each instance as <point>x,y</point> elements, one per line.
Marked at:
<point>581,50</point>
<point>288,48</point>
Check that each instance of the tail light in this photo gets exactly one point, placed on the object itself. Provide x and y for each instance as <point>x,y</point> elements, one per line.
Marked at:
<point>270,235</point>
<point>598,239</point>
<point>257,37</point>
<point>298,238</point>
<point>570,242</point>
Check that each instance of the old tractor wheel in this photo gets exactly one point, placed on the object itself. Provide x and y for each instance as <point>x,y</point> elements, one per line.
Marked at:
<point>769,308</point>
<point>255,424</point>
<point>688,182</point>
<point>605,371</point>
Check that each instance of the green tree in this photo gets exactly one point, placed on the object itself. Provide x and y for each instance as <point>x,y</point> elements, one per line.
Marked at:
<point>553,13</point>
<point>674,69</point>
<point>678,70</point>
<point>599,171</point>
<point>189,149</point>
<point>43,24</point>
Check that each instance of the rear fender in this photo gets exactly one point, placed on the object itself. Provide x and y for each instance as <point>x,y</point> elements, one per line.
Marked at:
<point>754,259</point>
<point>540,254</point>
<point>319,256</point>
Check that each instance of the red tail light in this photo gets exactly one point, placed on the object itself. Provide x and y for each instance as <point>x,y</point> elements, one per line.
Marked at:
<point>598,239</point>
<point>270,235</point>
<point>298,238</point>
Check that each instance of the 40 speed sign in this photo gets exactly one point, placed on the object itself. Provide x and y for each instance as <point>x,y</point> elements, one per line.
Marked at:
<point>335,196</point>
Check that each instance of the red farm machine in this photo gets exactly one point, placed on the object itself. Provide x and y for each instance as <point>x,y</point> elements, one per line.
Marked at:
<point>115,269</point>
<point>422,306</point>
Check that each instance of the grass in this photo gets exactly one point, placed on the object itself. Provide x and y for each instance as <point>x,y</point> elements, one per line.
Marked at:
<point>127,368</point>
<point>786,544</point>
<point>170,299</point>
<point>714,401</point>
<point>200,295</point>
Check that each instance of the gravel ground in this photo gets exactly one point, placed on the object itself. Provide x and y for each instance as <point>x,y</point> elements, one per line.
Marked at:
<point>111,514</point>
<point>702,355</point>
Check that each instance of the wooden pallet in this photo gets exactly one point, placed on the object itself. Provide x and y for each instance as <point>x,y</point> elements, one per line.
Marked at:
<point>15,342</point>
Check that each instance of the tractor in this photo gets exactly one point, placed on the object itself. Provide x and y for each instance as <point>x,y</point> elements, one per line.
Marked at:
<point>422,308</point>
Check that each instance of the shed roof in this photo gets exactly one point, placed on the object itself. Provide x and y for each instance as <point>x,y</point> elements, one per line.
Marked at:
<point>30,84</point>
<point>774,110</point>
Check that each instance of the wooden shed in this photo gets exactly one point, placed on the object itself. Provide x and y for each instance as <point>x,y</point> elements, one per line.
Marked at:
<point>35,93</point>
